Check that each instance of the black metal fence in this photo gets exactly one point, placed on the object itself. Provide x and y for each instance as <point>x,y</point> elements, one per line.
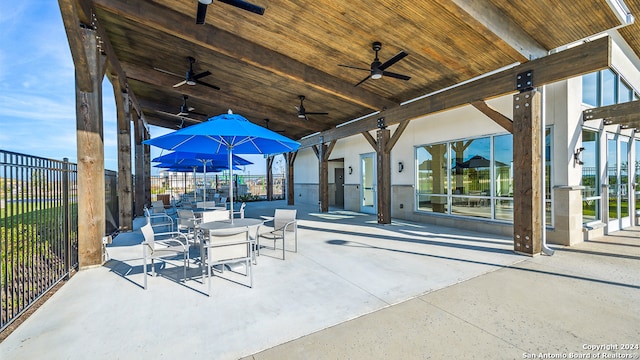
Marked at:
<point>246,187</point>
<point>38,229</point>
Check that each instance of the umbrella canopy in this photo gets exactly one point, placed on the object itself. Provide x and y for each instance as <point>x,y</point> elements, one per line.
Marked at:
<point>194,167</point>
<point>226,134</point>
<point>191,158</point>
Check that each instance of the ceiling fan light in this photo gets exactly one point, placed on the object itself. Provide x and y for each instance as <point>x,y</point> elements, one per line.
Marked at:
<point>206,2</point>
<point>301,116</point>
<point>376,74</point>
<point>191,82</point>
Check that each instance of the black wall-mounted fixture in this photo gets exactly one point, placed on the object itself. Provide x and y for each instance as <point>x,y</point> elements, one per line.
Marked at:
<point>400,166</point>
<point>577,156</point>
<point>350,170</point>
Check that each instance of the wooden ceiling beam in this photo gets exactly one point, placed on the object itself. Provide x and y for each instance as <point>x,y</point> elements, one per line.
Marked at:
<point>216,98</point>
<point>72,13</point>
<point>615,114</point>
<point>494,115</point>
<point>155,16</point>
<point>482,14</point>
<point>576,61</point>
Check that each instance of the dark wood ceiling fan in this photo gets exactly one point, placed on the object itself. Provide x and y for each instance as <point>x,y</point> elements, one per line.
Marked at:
<point>378,68</point>
<point>302,112</point>
<point>191,78</point>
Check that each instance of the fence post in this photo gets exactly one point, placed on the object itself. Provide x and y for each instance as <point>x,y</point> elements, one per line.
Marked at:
<point>65,222</point>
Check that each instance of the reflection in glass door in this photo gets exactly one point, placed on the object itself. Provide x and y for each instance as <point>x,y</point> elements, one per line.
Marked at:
<point>368,184</point>
<point>618,182</point>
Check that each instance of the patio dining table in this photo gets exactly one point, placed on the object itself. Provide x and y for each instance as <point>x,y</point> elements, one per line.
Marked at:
<point>224,226</point>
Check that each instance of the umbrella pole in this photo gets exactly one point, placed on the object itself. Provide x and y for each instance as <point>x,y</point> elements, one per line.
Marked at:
<point>229,152</point>
<point>204,183</point>
<point>195,186</point>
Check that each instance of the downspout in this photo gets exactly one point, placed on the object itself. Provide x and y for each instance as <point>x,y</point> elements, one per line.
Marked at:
<point>545,249</point>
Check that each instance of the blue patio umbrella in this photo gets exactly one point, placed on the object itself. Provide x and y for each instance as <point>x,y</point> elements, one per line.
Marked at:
<point>190,159</point>
<point>195,166</point>
<point>226,134</point>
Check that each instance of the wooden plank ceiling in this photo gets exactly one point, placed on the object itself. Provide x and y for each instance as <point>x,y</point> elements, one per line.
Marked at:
<point>262,63</point>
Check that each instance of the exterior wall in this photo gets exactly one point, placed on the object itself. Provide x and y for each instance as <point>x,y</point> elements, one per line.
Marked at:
<point>562,112</point>
<point>306,177</point>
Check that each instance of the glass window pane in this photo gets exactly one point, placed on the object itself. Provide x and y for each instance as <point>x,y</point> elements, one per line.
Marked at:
<point>471,167</point>
<point>503,165</point>
<point>612,175</point>
<point>471,206</point>
<point>625,92</point>
<point>624,177</point>
<point>590,89</point>
<point>608,87</point>
<point>547,163</point>
<point>504,209</point>
<point>432,203</point>
<point>432,169</point>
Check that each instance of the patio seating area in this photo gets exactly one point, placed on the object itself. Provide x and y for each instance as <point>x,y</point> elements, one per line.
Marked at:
<point>354,287</point>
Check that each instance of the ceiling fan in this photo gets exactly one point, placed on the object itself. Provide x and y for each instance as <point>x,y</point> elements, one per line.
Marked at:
<point>302,112</point>
<point>378,68</point>
<point>190,78</point>
<point>203,4</point>
<point>185,111</point>
<point>267,126</point>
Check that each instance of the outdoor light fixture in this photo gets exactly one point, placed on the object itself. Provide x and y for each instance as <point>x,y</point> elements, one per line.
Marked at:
<point>577,156</point>
<point>350,170</point>
<point>400,166</point>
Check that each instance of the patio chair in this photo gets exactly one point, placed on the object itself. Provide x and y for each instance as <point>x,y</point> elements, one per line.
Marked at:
<point>158,220</point>
<point>222,201</point>
<point>215,215</point>
<point>187,221</point>
<point>240,211</point>
<point>284,221</point>
<point>174,245</point>
<point>206,204</point>
<point>227,248</point>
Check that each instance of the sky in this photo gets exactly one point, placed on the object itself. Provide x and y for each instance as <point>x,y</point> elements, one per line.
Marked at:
<point>37,89</point>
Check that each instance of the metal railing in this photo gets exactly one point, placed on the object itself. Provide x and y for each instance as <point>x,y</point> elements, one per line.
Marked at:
<point>246,187</point>
<point>38,229</point>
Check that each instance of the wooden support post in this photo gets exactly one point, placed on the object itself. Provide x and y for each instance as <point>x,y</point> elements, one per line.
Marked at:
<point>323,152</point>
<point>125,191</point>
<point>139,201</point>
<point>147,170</point>
<point>527,184</point>
<point>90,138</point>
<point>269,178</point>
<point>383,176</point>
<point>383,146</point>
<point>290,158</point>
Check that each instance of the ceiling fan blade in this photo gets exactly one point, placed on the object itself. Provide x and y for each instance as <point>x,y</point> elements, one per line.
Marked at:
<point>316,113</point>
<point>361,81</point>
<point>399,56</point>
<point>397,76</point>
<point>168,72</point>
<point>354,67</point>
<point>202,13</point>
<point>205,84</point>
<point>198,113</point>
<point>245,6</point>
<point>180,83</point>
<point>201,75</point>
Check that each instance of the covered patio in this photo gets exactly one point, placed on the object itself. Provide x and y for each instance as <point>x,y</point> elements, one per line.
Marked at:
<point>354,289</point>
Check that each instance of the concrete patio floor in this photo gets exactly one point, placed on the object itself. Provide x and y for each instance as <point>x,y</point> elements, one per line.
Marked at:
<point>354,290</point>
